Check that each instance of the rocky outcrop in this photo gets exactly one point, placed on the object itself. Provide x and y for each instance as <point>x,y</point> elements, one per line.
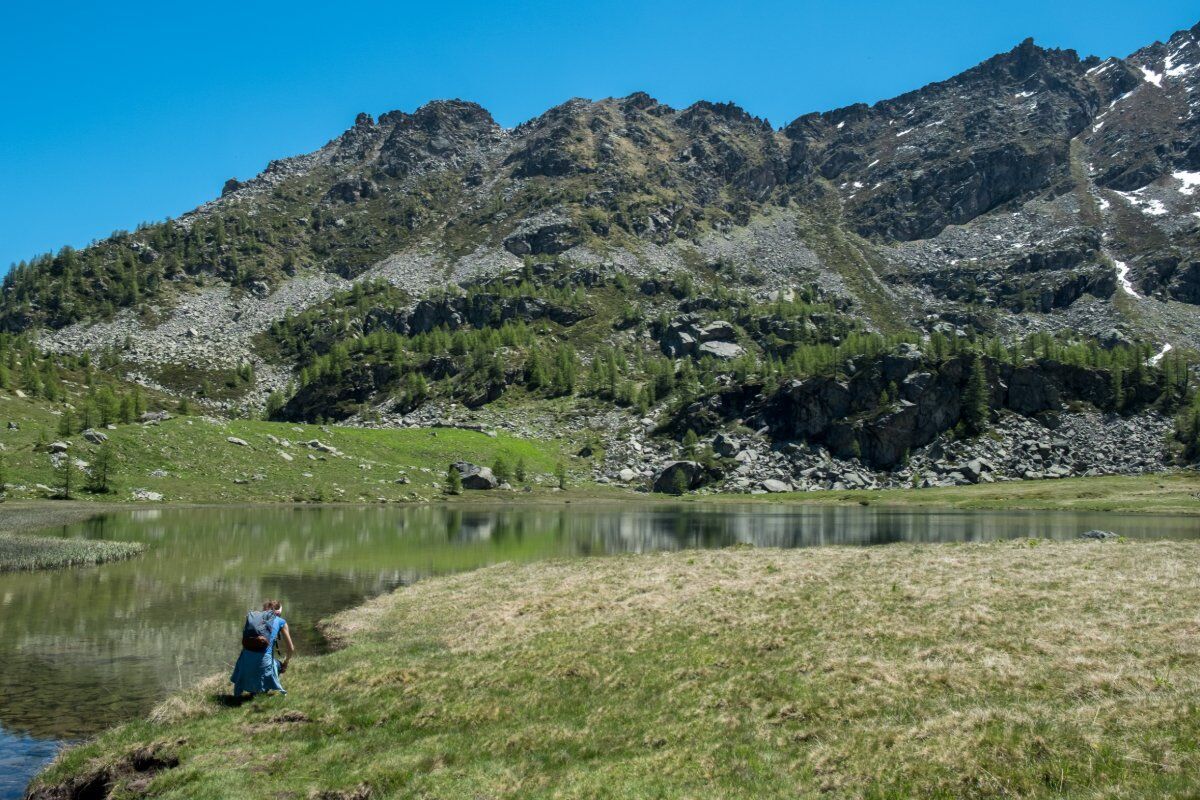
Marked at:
<point>543,236</point>
<point>688,336</point>
<point>478,310</point>
<point>899,402</point>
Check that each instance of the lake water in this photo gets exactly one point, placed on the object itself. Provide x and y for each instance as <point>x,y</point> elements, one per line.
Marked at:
<point>83,649</point>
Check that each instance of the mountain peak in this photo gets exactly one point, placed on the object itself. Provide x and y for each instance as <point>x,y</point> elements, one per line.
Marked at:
<point>1025,60</point>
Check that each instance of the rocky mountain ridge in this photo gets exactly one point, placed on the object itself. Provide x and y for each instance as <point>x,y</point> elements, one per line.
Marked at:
<point>1036,192</point>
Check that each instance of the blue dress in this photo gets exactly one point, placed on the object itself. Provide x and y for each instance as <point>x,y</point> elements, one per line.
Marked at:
<point>259,672</point>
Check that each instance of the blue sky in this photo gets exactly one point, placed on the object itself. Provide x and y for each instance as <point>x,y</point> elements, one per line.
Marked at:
<point>115,113</point>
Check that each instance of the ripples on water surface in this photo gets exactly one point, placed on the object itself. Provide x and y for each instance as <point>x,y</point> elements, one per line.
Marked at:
<point>82,649</point>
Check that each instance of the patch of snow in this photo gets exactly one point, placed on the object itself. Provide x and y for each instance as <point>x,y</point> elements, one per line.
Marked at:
<point>1123,278</point>
<point>841,125</point>
<point>1157,357</point>
<point>904,132</point>
<point>1154,208</point>
<point>1119,99</point>
<point>1023,95</point>
<point>1152,77</point>
<point>858,185</point>
<point>1150,206</point>
<point>1171,69</point>
<point>873,163</point>
<point>1104,204</point>
<point>1190,181</point>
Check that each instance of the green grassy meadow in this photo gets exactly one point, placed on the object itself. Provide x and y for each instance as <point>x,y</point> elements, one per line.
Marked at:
<point>189,459</point>
<point>1014,669</point>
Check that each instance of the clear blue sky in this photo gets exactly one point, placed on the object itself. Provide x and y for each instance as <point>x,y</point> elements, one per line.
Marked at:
<point>115,113</point>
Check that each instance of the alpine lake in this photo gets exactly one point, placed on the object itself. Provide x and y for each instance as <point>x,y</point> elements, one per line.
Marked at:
<point>84,649</point>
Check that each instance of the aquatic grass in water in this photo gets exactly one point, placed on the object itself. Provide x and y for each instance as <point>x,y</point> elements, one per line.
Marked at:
<point>40,552</point>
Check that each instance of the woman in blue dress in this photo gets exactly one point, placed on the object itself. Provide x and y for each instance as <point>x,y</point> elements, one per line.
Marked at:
<point>258,670</point>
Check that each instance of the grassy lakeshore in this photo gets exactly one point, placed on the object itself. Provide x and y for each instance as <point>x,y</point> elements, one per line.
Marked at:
<point>1010,669</point>
<point>192,460</point>
<point>1164,493</point>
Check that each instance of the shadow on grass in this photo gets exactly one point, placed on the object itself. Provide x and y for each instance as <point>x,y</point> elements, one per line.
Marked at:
<point>227,700</point>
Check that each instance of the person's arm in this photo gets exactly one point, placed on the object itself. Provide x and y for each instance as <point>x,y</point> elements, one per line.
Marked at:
<point>287,639</point>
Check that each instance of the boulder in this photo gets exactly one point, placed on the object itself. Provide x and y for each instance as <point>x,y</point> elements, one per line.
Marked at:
<point>95,436</point>
<point>1098,535</point>
<point>773,485</point>
<point>679,343</point>
<point>475,476</point>
<point>973,470</point>
<point>723,351</point>
<point>724,445</point>
<point>58,447</point>
<point>237,441</point>
<point>666,481</point>
<point>627,475</point>
<point>714,331</point>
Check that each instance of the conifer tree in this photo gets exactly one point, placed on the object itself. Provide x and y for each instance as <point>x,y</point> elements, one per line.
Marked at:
<point>453,480</point>
<point>65,473</point>
<point>1117,382</point>
<point>976,400</point>
<point>500,468</point>
<point>102,468</point>
<point>66,423</point>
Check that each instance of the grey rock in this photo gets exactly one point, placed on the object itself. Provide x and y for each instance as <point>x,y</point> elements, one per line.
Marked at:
<point>1097,534</point>
<point>722,351</point>
<point>693,474</point>
<point>714,331</point>
<point>475,476</point>
<point>724,445</point>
